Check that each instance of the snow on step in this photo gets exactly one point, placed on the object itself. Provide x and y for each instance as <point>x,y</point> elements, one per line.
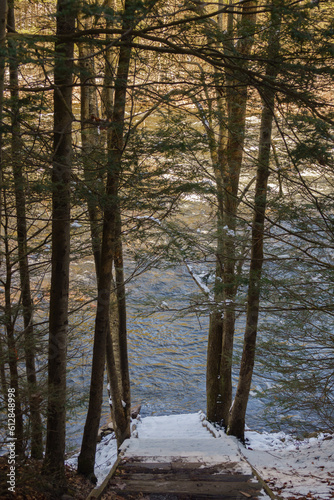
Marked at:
<point>158,441</point>
<point>207,451</point>
<point>183,426</point>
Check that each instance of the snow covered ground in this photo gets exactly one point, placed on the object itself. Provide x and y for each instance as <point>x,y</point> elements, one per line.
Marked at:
<point>292,468</point>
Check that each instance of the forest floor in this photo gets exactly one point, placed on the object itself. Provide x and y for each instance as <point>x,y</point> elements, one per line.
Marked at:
<point>32,485</point>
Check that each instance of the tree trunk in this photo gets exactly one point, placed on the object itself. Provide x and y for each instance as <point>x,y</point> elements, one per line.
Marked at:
<point>231,104</point>
<point>115,315</point>
<point>215,337</point>
<point>236,100</point>
<point>61,175</point>
<point>237,419</point>
<point>3,22</point>
<point>20,200</point>
<point>108,251</point>
<point>90,141</point>
<point>109,72</point>
<point>122,419</point>
<point>11,341</point>
<point>238,413</point>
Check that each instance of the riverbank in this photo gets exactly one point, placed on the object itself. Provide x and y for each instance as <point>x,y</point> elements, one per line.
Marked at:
<point>294,469</point>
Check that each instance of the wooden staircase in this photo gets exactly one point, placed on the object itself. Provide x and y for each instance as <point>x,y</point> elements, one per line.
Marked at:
<point>179,480</point>
<point>180,469</point>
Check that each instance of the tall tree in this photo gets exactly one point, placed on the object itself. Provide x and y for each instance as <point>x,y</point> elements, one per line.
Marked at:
<point>109,249</point>
<point>91,142</point>
<point>3,24</point>
<point>61,174</point>
<point>236,425</point>
<point>115,101</point>
<point>295,349</point>
<point>231,103</point>
<point>9,323</point>
<point>22,238</point>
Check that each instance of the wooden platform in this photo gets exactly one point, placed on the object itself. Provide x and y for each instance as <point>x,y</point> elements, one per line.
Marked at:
<point>182,466</point>
<point>137,479</point>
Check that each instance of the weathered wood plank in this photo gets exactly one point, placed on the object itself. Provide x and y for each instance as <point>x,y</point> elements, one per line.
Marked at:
<point>181,476</point>
<point>180,480</point>
<point>229,466</point>
<point>230,489</point>
<point>136,464</point>
<point>172,496</point>
<point>150,466</point>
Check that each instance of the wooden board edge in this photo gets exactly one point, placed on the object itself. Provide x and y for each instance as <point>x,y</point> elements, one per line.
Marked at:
<point>264,485</point>
<point>96,493</point>
<point>258,476</point>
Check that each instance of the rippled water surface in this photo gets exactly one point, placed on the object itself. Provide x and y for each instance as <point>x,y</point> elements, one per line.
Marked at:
<point>167,356</point>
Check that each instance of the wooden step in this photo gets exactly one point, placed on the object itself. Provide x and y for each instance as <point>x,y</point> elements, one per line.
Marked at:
<point>179,480</point>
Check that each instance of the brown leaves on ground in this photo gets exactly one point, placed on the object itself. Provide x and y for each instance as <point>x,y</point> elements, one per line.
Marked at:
<point>279,490</point>
<point>309,496</point>
<point>32,485</point>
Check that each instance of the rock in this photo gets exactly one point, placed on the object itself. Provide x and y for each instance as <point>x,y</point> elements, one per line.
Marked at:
<point>135,411</point>
<point>105,430</point>
<point>108,428</point>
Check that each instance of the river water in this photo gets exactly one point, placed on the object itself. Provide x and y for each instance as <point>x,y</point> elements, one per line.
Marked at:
<point>167,354</point>
<point>167,351</point>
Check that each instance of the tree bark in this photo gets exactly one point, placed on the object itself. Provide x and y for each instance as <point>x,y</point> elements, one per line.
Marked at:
<point>238,413</point>
<point>91,143</point>
<point>108,252</point>
<point>116,335</point>
<point>215,337</point>
<point>3,19</point>
<point>123,415</point>
<point>61,175</point>
<point>3,22</point>
<point>237,419</point>
<point>9,321</point>
<point>21,222</point>
<point>231,104</point>
<point>91,140</point>
<point>109,72</point>
<point>115,316</point>
<point>236,100</point>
